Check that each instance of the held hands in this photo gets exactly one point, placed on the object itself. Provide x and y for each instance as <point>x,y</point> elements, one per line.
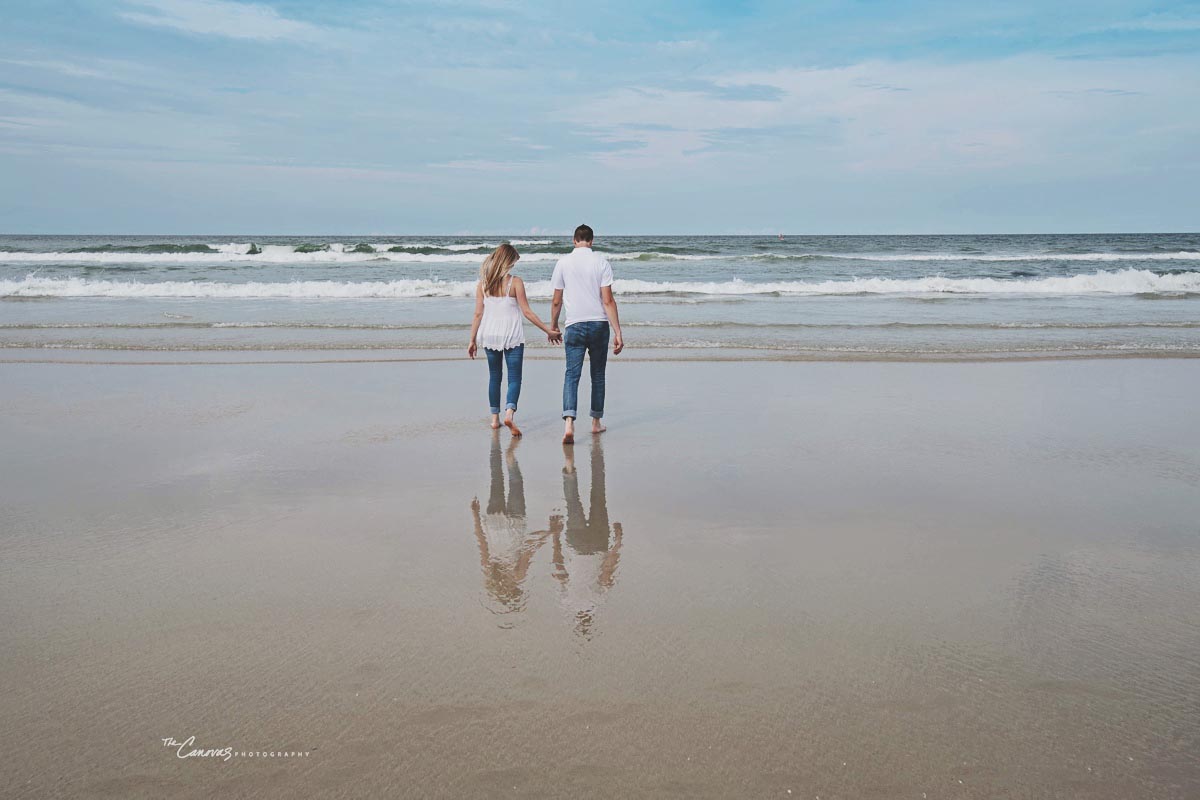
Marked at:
<point>554,336</point>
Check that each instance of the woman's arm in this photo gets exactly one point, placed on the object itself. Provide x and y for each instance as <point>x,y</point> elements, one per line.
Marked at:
<point>556,558</point>
<point>523,302</point>
<point>484,555</point>
<point>473,348</point>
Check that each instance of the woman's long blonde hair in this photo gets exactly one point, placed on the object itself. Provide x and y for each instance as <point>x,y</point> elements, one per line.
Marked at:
<point>496,268</point>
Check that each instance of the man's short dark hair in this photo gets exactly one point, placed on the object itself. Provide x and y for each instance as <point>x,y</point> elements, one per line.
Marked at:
<point>584,234</point>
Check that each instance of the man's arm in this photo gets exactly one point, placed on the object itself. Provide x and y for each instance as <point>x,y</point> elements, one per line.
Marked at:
<point>557,284</point>
<point>556,308</point>
<point>610,310</point>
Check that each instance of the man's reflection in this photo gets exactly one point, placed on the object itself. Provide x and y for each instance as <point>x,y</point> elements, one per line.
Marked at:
<point>586,566</point>
<point>505,548</point>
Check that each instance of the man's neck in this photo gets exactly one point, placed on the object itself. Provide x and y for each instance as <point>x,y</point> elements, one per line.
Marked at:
<point>584,246</point>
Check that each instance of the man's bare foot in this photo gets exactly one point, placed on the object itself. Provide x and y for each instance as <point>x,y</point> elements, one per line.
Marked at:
<point>597,426</point>
<point>569,433</point>
<point>495,422</point>
<point>511,424</point>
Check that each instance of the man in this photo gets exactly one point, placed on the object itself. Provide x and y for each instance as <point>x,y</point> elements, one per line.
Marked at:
<point>583,282</point>
<point>586,568</point>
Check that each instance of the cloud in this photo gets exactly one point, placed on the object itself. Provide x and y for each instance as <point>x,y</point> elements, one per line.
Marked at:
<point>62,67</point>
<point>222,18</point>
<point>981,116</point>
<point>1097,91</point>
<point>482,165</point>
<point>742,91</point>
<point>91,68</point>
<point>682,46</point>
<point>1159,23</point>
<point>468,26</point>
<point>740,138</point>
<point>528,143</point>
<point>881,87</point>
<point>748,92</point>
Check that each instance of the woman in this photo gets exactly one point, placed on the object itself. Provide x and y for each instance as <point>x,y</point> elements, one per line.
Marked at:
<point>499,303</point>
<point>506,547</point>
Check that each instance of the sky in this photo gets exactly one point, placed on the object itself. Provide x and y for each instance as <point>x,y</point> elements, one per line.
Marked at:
<point>369,117</point>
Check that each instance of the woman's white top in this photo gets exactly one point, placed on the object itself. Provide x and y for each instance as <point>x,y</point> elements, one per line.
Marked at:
<point>502,327</point>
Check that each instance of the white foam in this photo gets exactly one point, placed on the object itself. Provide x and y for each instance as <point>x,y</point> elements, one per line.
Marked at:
<point>285,254</point>
<point>33,286</point>
<point>1182,255</point>
<point>270,254</point>
<point>232,248</point>
<point>1126,281</point>
<point>338,252</point>
<point>1122,282</point>
<point>461,246</point>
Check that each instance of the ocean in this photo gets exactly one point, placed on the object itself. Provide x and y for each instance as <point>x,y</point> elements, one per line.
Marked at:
<point>713,297</point>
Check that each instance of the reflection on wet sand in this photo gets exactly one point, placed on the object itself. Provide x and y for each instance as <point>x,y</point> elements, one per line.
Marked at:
<point>505,547</point>
<point>586,568</point>
<point>586,547</point>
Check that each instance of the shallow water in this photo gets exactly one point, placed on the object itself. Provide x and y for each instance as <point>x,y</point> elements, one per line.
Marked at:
<point>876,580</point>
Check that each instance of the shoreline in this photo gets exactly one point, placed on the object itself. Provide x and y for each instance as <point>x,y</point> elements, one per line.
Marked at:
<point>422,355</point>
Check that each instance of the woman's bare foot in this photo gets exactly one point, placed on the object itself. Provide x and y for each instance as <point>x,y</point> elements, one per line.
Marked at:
<point>495,422</point>
<point>569,433</point>
<point>597,426</point>
<point>511,424</point>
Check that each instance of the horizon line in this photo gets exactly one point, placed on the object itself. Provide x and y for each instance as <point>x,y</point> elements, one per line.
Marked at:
<point>601,236</point>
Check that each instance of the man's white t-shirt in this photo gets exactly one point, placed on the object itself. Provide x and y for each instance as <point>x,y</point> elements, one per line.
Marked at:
<point>581,274</point>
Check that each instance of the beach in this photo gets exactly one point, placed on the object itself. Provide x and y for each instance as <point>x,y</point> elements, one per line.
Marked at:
<point>769,578</point>
<point>891,310</point>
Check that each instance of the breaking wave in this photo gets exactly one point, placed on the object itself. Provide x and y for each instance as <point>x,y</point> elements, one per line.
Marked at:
<point>427,252</point>
<point>1121,282</point>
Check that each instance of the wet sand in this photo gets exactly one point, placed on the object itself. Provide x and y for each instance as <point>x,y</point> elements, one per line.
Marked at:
<point>829,579</point>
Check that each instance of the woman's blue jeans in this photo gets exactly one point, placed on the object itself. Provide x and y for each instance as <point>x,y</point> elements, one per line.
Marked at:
<point>496,360</point>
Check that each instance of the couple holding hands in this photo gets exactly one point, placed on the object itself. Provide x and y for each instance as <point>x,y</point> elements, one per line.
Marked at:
<point>582,284</point>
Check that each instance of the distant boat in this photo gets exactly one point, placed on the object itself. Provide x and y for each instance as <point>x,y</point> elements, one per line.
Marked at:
<point>781,237</point>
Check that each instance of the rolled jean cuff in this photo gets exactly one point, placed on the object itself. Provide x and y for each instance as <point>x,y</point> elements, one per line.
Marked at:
<point>570,412</point>
<point>495,410</point>
<point>597,414</point>
<point>511,406</point>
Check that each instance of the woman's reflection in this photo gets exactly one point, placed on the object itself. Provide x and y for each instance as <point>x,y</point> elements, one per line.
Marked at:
<point>586,567</point>
<point>505,548</point>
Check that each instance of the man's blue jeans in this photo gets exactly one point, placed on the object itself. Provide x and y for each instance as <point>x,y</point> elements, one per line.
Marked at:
<point>513,358</point>
<point>580,338</point>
